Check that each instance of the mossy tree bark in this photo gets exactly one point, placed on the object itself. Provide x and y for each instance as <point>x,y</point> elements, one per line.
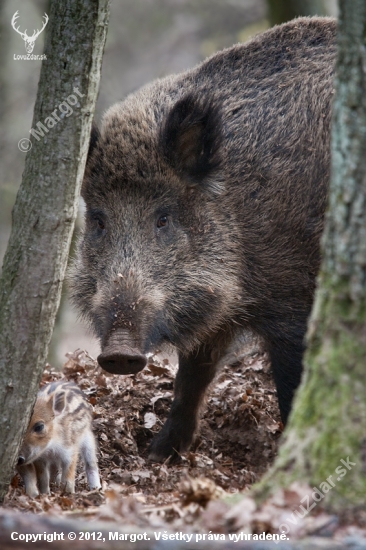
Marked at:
<point>45,211</point>
<point>328,422</point>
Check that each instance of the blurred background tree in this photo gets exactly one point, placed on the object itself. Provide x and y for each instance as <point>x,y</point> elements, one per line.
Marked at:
<point>280,11</point>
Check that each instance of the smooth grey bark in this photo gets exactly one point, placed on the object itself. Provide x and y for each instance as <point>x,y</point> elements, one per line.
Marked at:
<point>45,211</point>
<point>328,423</point>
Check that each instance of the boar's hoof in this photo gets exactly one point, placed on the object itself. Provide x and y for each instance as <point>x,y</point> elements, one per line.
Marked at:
<point>170,443</point>
<point>161,456</point>
<point>124,362</point>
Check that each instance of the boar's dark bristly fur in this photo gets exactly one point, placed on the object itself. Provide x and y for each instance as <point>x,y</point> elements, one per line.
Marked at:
<point>205,195</point>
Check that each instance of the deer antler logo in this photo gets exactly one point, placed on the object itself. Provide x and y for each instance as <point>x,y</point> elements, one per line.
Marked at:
<point>29,40</point>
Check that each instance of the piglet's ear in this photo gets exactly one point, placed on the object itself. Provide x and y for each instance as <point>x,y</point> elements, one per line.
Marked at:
<point>191,139</point>
<point>59,402</point>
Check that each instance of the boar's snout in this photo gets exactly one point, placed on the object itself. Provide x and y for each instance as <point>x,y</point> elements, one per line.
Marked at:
<point>123,361</point>
<point>121,353</point>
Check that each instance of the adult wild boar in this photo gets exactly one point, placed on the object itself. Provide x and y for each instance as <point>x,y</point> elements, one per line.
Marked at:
<point>205,194</point>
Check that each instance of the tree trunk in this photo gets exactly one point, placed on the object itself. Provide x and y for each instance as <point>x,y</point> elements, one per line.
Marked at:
<point>281,11</point>
<point>328,423</point>
<point>45,211</point>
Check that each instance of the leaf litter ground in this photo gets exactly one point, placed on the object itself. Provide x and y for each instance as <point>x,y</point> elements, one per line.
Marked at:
<point>237,441</point>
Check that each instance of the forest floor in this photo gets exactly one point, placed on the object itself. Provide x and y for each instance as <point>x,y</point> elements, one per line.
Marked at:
<point>237,442</point>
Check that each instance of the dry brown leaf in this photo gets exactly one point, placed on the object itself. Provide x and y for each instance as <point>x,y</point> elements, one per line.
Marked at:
<point>200,490</point>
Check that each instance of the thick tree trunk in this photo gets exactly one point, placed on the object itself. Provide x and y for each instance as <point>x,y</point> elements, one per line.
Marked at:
<point>328,423</point>
<point>45,211</point>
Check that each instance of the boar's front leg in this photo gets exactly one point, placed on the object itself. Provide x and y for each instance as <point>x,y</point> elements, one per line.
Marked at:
<point>195,373</point>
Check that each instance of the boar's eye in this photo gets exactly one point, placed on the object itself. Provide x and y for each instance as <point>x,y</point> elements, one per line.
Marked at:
<point>100,224</point>
<point>97,219</point>
<point>162,221</point>
<point>38,427</point>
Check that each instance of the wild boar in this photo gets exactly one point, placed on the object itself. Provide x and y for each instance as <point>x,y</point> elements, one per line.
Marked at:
<point>205,195</point>
<point>59,430</point>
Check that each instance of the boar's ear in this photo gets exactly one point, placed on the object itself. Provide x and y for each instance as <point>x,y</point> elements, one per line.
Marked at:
<point>190,139</point>
<point>59,402</point>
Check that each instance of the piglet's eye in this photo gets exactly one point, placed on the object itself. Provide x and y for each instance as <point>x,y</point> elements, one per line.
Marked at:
<point>39,427</point>
<point>162,221</point>
<point>100,225</point>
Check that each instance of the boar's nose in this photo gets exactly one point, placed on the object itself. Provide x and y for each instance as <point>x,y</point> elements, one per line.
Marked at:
<point>125,361</point>
<point>21,460</point>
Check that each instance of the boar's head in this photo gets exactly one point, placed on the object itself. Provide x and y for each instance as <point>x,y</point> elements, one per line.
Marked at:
<point>157,261</point>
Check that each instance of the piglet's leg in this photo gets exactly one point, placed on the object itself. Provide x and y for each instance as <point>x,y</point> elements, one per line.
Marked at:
<point>56,471</point>
<point>68,473</point>
<point>43,476</point>
<point>29,477</point>
<point>89,452</point>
